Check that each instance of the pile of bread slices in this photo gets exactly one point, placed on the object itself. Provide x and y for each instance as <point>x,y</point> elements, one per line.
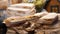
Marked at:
<point>21,9</point>
<point>32,22</point>
<point>24,15</point>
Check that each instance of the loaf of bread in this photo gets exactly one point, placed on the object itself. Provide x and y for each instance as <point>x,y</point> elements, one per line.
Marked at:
<point>49,19</point>
<point>3,4</point>
<point>23,5</point>
<point>20,12</point>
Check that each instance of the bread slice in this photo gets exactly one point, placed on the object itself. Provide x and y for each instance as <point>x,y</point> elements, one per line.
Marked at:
<point>43,13</point>
<point>49,19</point>
<point>23,5</point>
<point>18,19</point>
<point>20,11</point>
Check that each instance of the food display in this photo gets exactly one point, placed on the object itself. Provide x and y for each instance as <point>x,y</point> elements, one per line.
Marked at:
<point>24,21</point>
<point>14,19</point>
<point>26,18</point>
<point>19,19</point>
<point>35,21</point>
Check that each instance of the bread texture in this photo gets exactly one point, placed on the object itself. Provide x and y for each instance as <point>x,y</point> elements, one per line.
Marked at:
<point>23,5</point>
<point>19,11</point>
<point>50,18</point>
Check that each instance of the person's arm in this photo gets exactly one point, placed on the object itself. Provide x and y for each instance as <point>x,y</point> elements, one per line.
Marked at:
<point>3,27</point>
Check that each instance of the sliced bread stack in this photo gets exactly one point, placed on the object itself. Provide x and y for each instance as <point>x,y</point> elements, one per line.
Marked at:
<point>22,9</point>
<point>19,12</point>
<point>19,19</point>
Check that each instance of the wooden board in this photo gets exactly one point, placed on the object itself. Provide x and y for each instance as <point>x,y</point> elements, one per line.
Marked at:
<point>53,6</point>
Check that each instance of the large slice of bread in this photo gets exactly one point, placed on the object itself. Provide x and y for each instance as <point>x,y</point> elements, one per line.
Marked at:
<point>49,19</point>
